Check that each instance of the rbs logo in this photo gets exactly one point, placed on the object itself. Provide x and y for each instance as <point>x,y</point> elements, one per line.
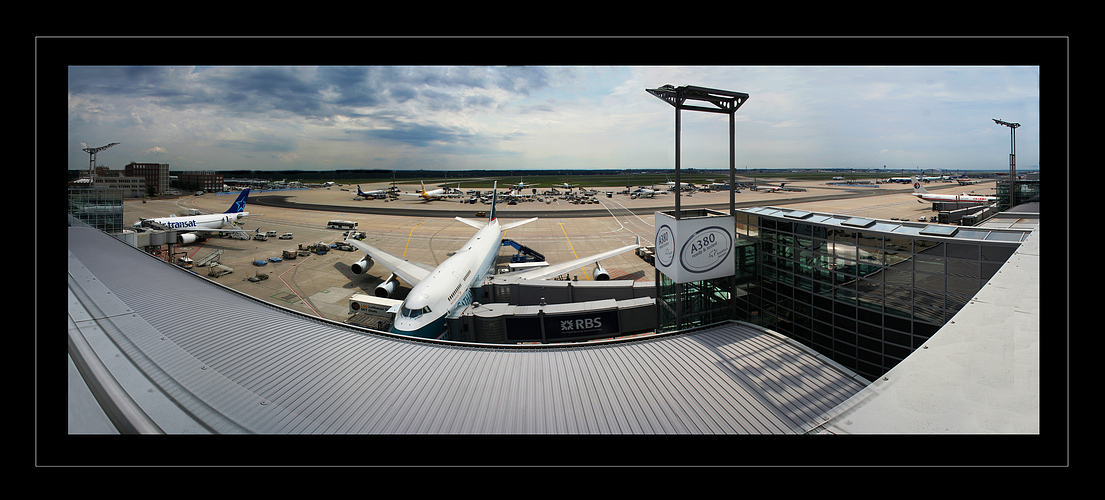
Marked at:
<point>580,324</point>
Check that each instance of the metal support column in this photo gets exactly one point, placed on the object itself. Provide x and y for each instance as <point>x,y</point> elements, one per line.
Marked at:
<point>725,102</point>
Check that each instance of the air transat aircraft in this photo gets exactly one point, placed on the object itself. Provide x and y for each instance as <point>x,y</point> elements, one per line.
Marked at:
<point>440,291</point>
<point>924,195</point>
<point>188,226</point>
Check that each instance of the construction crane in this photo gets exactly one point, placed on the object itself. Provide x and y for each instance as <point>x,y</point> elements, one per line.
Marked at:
<point>92,160</point>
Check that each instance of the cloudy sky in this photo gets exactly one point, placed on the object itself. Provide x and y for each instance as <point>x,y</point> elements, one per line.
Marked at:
<point>514,118</point>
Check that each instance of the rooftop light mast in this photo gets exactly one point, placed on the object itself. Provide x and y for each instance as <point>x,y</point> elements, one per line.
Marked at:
<point>92,160</point>
<point>1012,157</point>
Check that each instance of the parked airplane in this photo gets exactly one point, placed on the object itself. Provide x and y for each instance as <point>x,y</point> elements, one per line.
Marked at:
<point>682,185</point>
<point>376,193</point>
<point>443,290</point>
<point>967,182</point>
<point>770,189</point>
<point>924,195</point>
<point>647,192</point>
<point>436,194</point>
<point>188,226</point>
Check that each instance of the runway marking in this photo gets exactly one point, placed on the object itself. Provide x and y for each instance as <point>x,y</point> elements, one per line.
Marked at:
<point>409,237</point>
<point>570,246</point>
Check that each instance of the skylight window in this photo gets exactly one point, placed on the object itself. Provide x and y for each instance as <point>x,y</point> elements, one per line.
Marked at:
<point>936,230</point>
<point>857,222</point>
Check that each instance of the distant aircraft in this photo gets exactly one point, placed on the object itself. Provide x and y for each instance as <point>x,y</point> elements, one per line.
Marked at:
<point>967,182</point>
<point>566,186</point>
<point>377,193</point>
<point>436,194</point>
<point>770,189</point>
<point>648,192</point>
<point>522,185</point>
<point>443,290</point>
<point>924,195</point>
<point>682,185</point>
<point>188,226</point>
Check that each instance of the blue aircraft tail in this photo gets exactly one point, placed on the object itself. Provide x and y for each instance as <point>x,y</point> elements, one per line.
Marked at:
<point>239,204</point>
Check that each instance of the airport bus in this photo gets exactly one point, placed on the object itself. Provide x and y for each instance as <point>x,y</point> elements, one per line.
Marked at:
<point>341,224</point>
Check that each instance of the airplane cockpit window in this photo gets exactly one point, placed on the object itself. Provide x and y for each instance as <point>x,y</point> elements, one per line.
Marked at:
<point>414,313</point>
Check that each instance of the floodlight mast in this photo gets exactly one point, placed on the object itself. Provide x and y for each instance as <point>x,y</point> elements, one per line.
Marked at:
<point>1012,157</point>
<point>92,160</point>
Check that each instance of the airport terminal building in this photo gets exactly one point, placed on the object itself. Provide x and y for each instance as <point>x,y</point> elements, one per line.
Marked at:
<point>864,292</point>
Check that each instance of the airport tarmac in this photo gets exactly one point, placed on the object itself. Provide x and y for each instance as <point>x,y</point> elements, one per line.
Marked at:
<point>426,232</point>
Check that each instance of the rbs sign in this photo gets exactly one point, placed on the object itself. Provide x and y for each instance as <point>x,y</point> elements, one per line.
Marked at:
<point>695,248</point>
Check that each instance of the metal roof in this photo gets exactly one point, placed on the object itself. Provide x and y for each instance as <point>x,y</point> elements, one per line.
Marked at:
<point>182,354</point>
<point>987,232</point>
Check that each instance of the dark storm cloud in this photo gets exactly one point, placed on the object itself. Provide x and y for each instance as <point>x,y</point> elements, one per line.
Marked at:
<point>419,134</point>
<point>306,92</point>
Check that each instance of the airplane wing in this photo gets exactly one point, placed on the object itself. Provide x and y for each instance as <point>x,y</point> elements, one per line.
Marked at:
<point>555,269</point>
<point>410,272</point>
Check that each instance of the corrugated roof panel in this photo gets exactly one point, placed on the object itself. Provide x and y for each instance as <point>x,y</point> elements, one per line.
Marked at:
<point>270,370</point>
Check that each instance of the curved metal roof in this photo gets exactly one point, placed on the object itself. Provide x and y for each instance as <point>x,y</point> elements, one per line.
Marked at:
<point>197,357</point>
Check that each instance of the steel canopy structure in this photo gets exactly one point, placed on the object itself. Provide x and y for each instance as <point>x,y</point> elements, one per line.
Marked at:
<point>724,101</point>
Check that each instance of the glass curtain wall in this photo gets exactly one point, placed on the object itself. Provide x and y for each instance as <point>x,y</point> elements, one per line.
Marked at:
<point>863,296</point>
<point>99,208</point>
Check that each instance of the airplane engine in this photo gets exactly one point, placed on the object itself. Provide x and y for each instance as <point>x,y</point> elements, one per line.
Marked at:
<point>186,238</point>
<point>386,288</point>
<point>599,273</point>
<point>362,265</point>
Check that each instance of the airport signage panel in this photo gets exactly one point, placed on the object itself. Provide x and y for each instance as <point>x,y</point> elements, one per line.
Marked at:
<point>587,324</point>
<point>694,248</point>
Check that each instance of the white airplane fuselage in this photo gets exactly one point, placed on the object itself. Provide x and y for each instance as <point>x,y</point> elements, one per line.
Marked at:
<point>448,287</point>
<point>193,222</point>
<point>923,195</point>
<point>190,224</point>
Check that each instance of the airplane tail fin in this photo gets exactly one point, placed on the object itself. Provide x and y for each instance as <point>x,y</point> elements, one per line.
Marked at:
<point>494,200</point>
<point>917,187</point>
<point>239,204</point>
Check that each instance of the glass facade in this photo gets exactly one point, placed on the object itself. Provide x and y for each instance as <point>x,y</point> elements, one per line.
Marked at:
<point>864,292</point>
<point>99,208</point>
<point>692,304</point>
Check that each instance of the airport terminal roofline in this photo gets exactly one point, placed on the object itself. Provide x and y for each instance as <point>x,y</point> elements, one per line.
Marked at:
<point>187,355</point>
<point>979,374</point>
<point>984,232</point>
